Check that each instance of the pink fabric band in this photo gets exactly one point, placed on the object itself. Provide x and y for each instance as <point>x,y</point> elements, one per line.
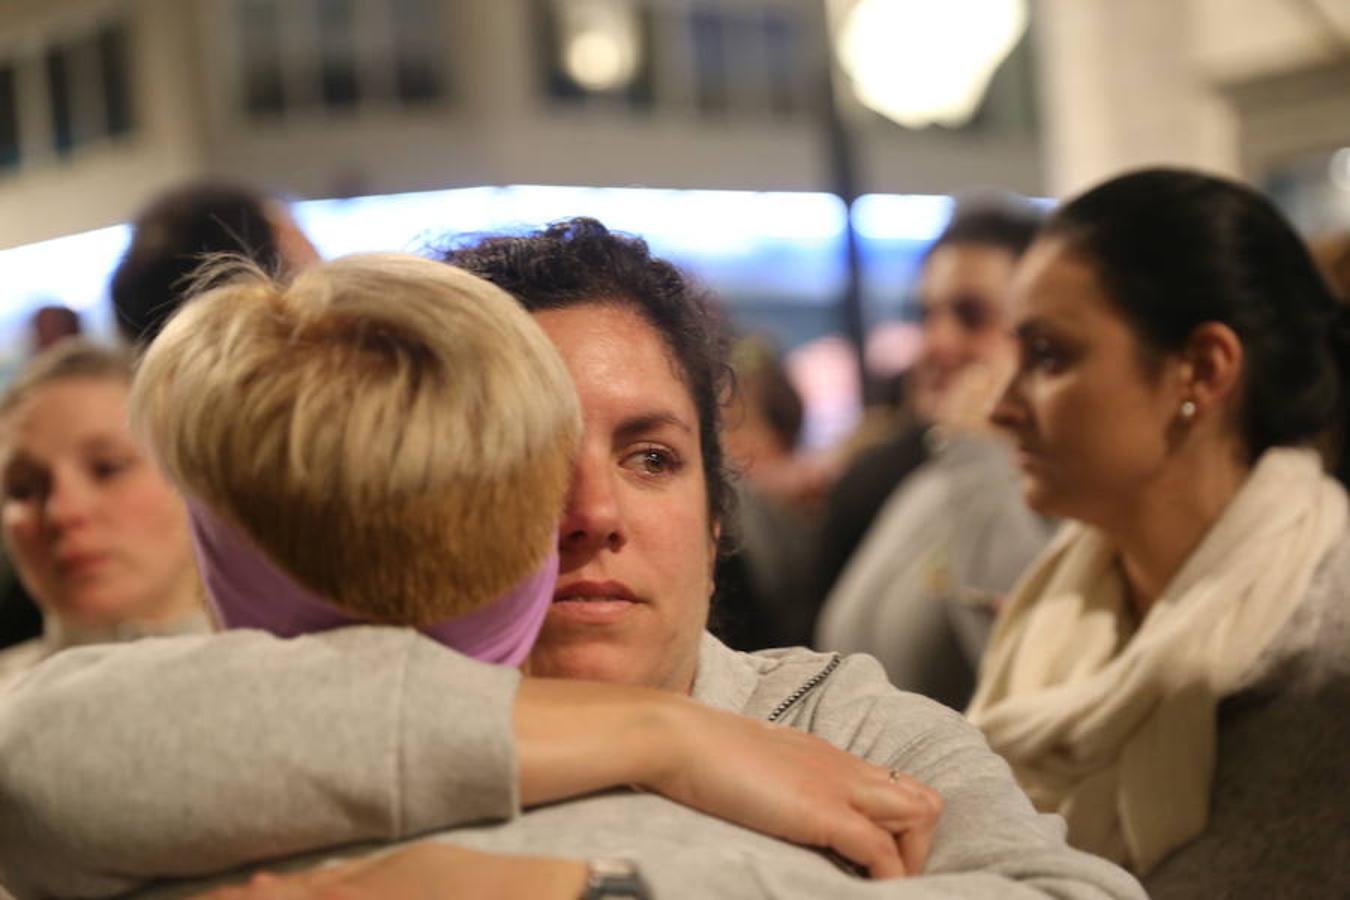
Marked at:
<point>248,590</point>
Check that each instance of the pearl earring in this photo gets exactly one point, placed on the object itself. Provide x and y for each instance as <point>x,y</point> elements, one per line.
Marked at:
<point>1188,409</point>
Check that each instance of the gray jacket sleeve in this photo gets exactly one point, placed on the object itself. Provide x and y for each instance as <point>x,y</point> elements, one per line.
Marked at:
<point>220,784</point>
<point>990,841</point>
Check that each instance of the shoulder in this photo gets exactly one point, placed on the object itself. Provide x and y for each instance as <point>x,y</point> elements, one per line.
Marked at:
<point>19,658</point>
<point>846,699</point>
<point>1308,651</point>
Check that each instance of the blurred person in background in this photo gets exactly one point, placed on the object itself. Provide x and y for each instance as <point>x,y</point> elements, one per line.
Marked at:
<point>20,618</point>
<point>179,229</point>
<point>637,542</point>
<point>954,533</point>
<point>97,537</point>
<point>963,285</point>
<point>1171,675</point>
<point>764,596</point>
<point>50,324</point>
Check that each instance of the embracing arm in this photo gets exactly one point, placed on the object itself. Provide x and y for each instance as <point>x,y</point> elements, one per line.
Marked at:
<point>990,841</point>
<point>182,756</point>
<point>186,756</point>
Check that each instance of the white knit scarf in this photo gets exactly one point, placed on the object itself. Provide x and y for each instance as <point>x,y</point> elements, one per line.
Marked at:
<point>1117,732</point>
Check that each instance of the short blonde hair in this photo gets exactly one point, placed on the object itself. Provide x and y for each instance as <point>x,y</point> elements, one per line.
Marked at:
<point>71,357</point>
<point>394,432</point>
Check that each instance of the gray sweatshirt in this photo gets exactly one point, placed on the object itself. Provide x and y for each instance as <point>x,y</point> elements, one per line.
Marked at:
<point>180,757</point>
<point>918,592</point>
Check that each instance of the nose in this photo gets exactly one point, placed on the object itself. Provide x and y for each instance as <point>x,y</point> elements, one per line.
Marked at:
<point>592,520</point>
<point>1009,412</point>
<point>67,505</point>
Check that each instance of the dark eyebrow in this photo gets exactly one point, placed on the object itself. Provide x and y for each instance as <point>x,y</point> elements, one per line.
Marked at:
<point>635,427</point>
<point>1029,329</point>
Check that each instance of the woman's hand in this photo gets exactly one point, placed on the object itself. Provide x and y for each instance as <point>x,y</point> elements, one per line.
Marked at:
<point>424,870</point>
<point>576,737</point>
<point>797,787</point>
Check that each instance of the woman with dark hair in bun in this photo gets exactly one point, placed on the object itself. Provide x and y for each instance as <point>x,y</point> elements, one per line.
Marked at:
<point>1171,676</point>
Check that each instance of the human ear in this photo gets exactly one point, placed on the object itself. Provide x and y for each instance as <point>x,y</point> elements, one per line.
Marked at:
<point>1212,369</point>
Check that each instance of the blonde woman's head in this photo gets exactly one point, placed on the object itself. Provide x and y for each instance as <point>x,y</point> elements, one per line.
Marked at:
<point>394,432</point>
<point>99,538</point>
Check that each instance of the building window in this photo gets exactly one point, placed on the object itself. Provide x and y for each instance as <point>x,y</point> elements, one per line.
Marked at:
<point>260,39</point>
<point>746,59</point>
<point>339,78</point>
<point>338,55</point>
<point>113,69</point>
<point>783,61</point>
<point>708,39</point>
<point>418,47</point>
<point>9,118</point>
<point>57,64</point>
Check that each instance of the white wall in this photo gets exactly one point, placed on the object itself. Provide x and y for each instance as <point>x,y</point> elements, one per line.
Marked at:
<point>1139,82</point>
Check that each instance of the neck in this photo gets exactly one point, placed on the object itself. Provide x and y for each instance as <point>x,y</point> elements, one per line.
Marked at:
<point>1162,524</point>
<point>187,598</point>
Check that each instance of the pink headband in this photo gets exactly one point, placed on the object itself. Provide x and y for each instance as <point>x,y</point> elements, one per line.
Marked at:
<point>248,590</point>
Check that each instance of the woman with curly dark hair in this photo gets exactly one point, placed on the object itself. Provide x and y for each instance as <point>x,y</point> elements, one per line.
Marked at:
<point>636,545</point>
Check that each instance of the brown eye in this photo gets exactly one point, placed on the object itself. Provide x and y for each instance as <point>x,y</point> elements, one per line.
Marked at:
<point>652,462</point>
<point>972,314</point>
<point>1043,355</point>
<point>109,468</point>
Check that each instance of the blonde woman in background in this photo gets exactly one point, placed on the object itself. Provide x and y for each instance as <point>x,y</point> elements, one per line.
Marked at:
<point>99,538</point>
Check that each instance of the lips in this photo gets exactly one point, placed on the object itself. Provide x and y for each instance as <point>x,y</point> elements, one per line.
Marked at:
<point>79,564</point>
<point>593,592</point>
<point>589,605</point>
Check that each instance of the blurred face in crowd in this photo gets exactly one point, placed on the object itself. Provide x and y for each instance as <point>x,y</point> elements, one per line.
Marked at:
<point>963,293</point>
<point>1090,413</point>
<point>636,544</point>
<point>293,246</point>
<point>97,535</point>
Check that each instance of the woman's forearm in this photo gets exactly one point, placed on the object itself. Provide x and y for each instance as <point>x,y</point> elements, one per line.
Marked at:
<point>578,737</point>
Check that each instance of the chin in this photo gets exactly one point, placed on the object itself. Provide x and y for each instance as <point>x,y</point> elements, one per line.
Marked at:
<point>1039,496</point>
<point>92,611</point>
<point>587,661</point>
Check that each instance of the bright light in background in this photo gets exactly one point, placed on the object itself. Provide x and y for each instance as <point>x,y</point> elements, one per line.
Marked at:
<point>920,62</point>
<point>911,217</point>
<point>72,270</point>
<point>781,250</point>
<point>601,44</point>
<point>786,242</point>
<point>720,224</point>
